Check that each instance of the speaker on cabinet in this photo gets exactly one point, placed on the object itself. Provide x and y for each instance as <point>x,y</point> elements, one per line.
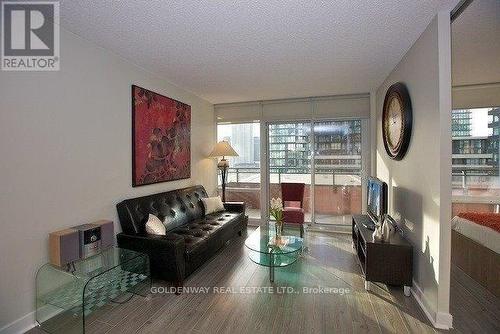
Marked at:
<point>64,247</point>
<point>107,233</point>
<point>80,242</point>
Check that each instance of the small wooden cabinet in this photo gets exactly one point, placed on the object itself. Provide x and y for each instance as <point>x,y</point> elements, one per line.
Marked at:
<point>386,262</point>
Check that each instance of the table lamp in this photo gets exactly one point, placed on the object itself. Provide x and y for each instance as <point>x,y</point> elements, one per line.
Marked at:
<point>223,149</point>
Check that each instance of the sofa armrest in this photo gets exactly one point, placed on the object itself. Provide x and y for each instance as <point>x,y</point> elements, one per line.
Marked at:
<point>235,206</point>
<point>166,253</point>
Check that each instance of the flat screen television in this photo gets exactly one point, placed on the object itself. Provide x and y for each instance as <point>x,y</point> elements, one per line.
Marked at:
<point>377,199</point>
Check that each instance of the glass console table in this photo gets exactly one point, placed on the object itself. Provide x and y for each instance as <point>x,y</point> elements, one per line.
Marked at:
<point>269,251</point>
<point>64,298</point>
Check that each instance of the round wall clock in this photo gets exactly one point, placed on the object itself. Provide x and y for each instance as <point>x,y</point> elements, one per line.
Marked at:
<point>397,121</point>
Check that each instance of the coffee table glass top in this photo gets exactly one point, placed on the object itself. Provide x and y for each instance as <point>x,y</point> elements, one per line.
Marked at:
<point>267,250</point>
<point>66,296</point>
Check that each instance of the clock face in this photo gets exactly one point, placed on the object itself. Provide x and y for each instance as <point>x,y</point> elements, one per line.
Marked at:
<point>394,123</point>
<point>397,121</point>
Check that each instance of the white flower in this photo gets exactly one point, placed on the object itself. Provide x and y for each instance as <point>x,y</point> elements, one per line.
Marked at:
<point>276,204</point>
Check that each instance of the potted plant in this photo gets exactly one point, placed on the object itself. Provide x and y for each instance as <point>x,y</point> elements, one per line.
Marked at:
<point>277,212</point>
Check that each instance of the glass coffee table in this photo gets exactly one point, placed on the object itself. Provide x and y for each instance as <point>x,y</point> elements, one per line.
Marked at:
<point>65,297</point>
<point>269,251</point>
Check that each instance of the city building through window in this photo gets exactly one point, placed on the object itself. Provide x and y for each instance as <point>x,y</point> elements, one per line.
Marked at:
<point>325,155</point>
<point>244,170</point>
<point>475,158</point>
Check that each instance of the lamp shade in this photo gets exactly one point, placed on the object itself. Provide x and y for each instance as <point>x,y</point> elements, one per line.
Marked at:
<point>223,149</point>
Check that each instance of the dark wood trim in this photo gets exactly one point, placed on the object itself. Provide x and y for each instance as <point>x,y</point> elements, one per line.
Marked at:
<point>459,9</point>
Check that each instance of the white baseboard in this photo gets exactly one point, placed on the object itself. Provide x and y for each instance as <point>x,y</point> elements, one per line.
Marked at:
<point>445,320</point>
<point>20,325</point>
<point>439,320</point>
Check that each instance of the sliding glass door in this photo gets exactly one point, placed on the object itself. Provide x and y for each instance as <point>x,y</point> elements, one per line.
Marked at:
<point>337,162</point>
<point>289,147</point>
<point>243,182</point>
<point>325,155</point>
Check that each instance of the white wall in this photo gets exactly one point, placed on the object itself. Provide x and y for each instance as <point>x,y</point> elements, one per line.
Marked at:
<point>420,184</point>
<point>65,144</point>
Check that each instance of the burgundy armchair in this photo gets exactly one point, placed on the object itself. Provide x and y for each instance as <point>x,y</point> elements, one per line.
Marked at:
<point>293,204</point>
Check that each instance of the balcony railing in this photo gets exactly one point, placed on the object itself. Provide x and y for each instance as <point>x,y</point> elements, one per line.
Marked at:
<point>343,175</point>
<point>336,193</point>
<point>475,180</point>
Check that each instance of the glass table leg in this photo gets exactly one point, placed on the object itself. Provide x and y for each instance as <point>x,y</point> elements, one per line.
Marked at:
<point>271,267</point>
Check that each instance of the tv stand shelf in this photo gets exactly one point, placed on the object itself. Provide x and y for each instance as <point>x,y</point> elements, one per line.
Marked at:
<point>385,262</point>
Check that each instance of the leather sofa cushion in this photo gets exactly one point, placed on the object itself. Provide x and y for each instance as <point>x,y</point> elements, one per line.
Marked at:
<point>197,233</point>
<point>176,208</point>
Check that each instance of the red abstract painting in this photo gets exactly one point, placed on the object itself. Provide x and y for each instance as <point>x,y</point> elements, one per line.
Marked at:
<point>161,138</point>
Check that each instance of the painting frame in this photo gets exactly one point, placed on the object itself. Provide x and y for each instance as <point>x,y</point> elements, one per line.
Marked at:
<point>162,153</point>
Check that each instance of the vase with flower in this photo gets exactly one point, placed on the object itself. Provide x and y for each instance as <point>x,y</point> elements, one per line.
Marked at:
<point>276,212</point>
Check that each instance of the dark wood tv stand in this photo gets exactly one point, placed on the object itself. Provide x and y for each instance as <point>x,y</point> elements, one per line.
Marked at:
<point>386,262</point>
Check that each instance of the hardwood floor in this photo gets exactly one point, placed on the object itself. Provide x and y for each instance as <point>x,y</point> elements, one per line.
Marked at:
<point>329,263</point>
<point>474,309</point>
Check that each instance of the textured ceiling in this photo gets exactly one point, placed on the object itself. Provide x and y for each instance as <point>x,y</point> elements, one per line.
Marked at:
<point>476,44</point>
<point>227,51</point>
